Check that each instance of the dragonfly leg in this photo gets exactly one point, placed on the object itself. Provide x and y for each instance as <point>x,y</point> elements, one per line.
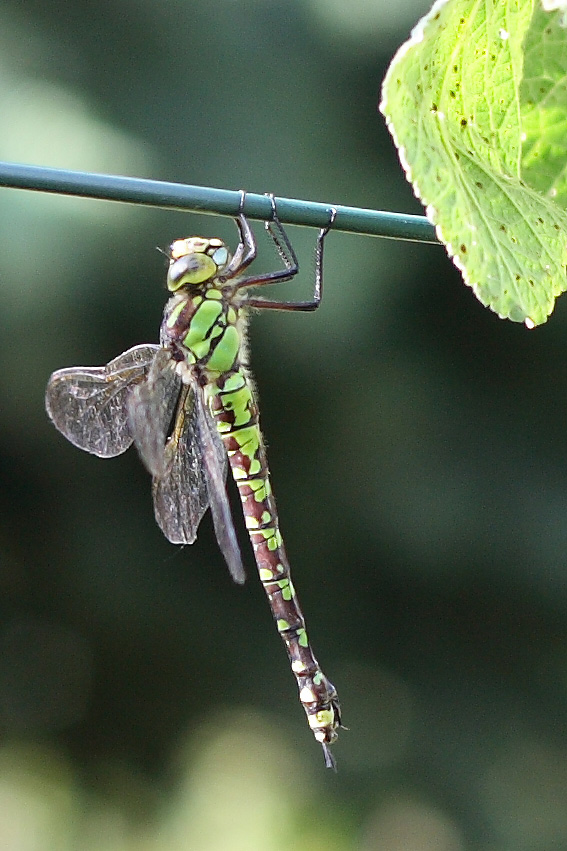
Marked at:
<point>281,240</point>
<point>314,303</point>
<point>284,249</point>
<point>246,249</point>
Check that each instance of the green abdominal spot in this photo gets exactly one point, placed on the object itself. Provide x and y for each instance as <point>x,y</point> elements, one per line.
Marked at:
<point>233,382</point>
<point>287,588</point>
<point>259,488</point>
<point>248,440</point>
<point>238,402</point>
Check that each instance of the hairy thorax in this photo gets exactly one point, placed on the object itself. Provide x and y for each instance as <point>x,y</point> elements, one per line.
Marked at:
<point>204,328</point>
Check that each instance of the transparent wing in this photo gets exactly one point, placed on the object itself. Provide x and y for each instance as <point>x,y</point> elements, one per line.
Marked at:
<point>151,407</point>
<point>89,404</point>
<point>194,464</point>
<point>215,462</point>
<point>180,492</point>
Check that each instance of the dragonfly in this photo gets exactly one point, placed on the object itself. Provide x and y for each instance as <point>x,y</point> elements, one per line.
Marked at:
<point>189,406</point>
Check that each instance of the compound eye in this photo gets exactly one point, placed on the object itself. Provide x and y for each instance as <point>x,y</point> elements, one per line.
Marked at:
<point>191,269</point>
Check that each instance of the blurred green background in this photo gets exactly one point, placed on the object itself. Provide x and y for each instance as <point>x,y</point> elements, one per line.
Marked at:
<point>417,446</point>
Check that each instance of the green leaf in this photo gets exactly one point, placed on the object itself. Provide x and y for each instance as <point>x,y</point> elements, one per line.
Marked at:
<point>544,106</point>
<point>451,98</point>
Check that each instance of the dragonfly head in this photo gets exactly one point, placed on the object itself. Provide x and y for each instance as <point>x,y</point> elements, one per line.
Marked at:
<point>194,261</point>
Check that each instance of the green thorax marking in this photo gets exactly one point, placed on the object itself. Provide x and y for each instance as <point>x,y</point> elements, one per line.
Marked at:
<point>205,328</point>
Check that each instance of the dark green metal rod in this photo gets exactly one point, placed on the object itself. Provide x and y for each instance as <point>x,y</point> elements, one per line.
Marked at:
<point>224,202</point>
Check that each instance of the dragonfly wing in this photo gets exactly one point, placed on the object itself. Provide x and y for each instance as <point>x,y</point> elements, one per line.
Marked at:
<point>89,404</point>
<point>151,407</point>
<point>180,492</point>
<point>194,478</point>
<point>215,462</point>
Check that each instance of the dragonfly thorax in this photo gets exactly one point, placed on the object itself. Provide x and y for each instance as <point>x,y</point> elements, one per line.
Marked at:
<point>203,327</point>
<point>195,260</point>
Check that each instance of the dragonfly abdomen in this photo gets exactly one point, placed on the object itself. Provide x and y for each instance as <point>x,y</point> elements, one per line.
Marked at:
<point>232,404</point>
